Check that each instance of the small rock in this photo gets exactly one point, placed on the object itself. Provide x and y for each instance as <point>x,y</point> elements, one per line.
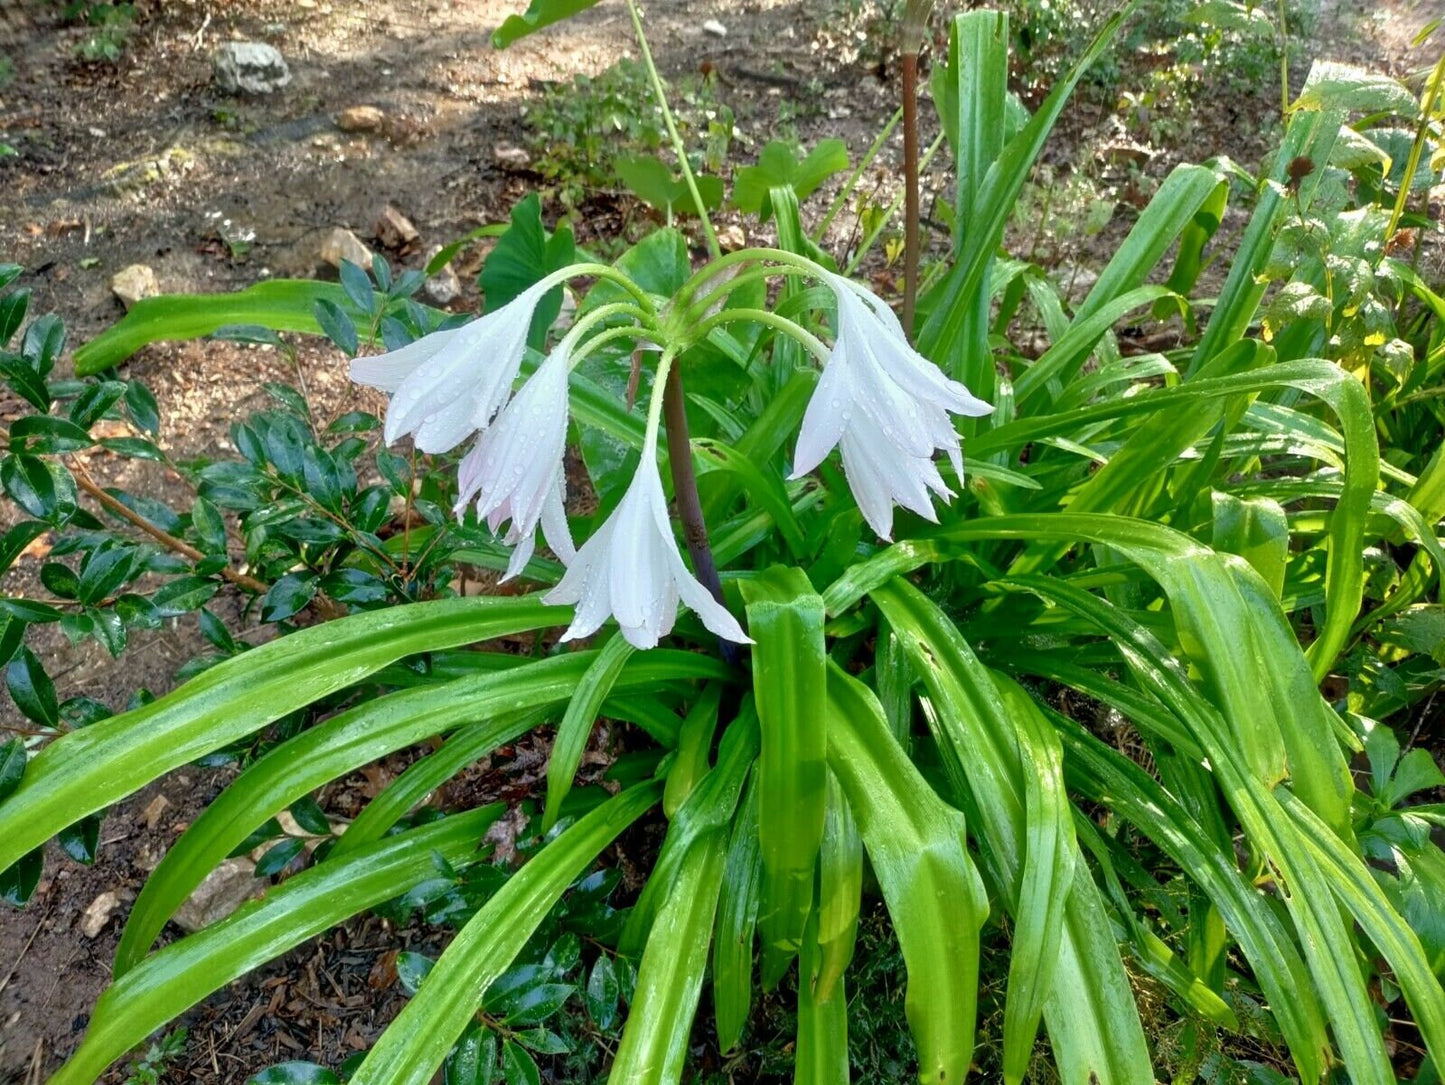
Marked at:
<point>511,157</point>
<point>94,919</point>
<point>133,283</point>
<point>361,118</point>
<point>250,67</point>
<point>341,244</point>
<point>394,230</point>
<point>154,810</point>
<point>444,287</point>
<point>731,238</point>
<point>225,889</point>
<point>715,28</point>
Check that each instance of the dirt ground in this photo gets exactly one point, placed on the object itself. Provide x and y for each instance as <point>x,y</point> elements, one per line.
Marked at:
<point>146,161</point>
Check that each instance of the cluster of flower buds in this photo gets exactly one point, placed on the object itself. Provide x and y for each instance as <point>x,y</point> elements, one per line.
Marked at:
<point>882,404</point>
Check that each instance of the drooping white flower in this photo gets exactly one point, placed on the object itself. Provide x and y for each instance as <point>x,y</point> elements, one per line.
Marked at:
<point>449,384</point>
<point>631,569</point>
<point>888,408</point>
<point>514,471</point>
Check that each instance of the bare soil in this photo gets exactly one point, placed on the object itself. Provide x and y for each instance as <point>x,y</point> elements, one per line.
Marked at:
<point>145,161</point>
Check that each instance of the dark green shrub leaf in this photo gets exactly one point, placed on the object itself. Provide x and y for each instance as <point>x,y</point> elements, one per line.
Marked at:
<point>288,596</point>
<point>603,992</point>
<point>310,816</point>
<point>109,630</point>
<point>77,625</point>
<point>289,398</point>
<point>103,571</point>
<point>411,969</point>
<point>81,840</point>
<point>137,611</point>
<point>215,631</point>
<point>9,273</point>
<point>357,285</point>
<point>19,881</point>
<point>356,587</point>
<point>27,611</point>
<point>30,484</point>
<point>12,635</point>
<point>17,539</point>
<point>381,271</point>
<point>60,579</point>
<point>279,856</point>
<point>137,448</point>
<point>270,829</point>
<point>12,766</point>
<point>474,1059</point>
<point>518,1067</point>
<point>337,326</point>
<point>533,1005</point>
<point>43,342</point>
<point>12,314</point>
<point>141,406</point>
<point>543,1041</point>
<point>354,422</point>
<point>31,689</point>
<point>83,711</point>
<point>208,526</point>
<point>90,406</point>
<point>43,433</point>
<point>183,595</point>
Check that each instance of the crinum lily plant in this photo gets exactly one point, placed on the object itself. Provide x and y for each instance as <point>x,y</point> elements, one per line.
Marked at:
<point>889,410</point>
<point>1096,706</point>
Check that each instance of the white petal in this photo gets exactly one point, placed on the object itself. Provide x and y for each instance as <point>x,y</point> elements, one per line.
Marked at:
<point>554,524</point>
<point>387,371</point>
<point>875,501</point>
<point>714,615</point>
<point>521,554</point>
<point>829,410</point>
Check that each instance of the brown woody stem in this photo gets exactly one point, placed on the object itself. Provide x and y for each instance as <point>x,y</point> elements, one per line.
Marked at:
<point>910,191</point>
<point>684,489</point>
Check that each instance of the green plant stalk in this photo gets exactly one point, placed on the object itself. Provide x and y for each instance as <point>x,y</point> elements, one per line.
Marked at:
<point>841,200</point>
<point>1283,60</point>
<point>1417,147</point>
<point>678,147</point>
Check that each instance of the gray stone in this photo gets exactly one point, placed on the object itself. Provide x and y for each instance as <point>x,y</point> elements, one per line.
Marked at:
<point>133,283</point>
<point>444,287</point>
<point>250,67</point>
<point>224,889</point>
<point>341,244</point>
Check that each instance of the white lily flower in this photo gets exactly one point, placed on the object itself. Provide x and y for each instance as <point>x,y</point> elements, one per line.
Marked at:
<point>632,570</point>
<point>514,471</point>
<point>888,407</point>
<point>449,384</point>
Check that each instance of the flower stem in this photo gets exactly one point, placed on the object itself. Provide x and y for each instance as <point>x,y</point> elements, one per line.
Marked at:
<point>811,342</point>
<point>678,147</point>
<point>689,504</point>
<point>910,182</point>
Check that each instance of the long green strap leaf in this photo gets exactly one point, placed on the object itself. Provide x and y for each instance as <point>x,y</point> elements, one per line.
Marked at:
<point>415,1044</point>
<point>916,845</point>
<point>737,918</point>
<point>576,726</point>
<point>92,768</point>
<point>1093,1024</point>
<point>669,980</point>
<point>183,973</point>
<point>351,739</point>
<point>785,618</point>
